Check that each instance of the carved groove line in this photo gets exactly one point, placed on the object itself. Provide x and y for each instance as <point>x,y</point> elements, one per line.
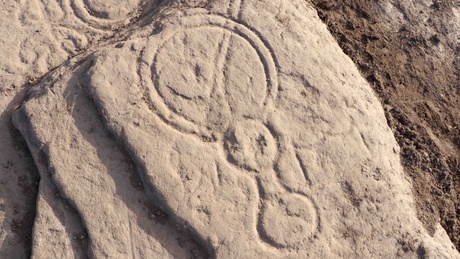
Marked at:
<point>83,10</point>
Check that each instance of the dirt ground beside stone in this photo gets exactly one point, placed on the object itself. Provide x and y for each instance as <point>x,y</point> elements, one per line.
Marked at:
<point>413,64</point>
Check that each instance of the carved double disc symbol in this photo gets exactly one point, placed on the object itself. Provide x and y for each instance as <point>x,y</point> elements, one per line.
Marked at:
<point>214,78</point>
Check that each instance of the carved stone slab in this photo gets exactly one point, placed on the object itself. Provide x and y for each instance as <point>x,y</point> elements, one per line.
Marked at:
<point>248,125</point>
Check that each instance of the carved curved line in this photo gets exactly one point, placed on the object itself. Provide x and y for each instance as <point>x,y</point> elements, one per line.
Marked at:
<point>259,45</point>
<point>81,11</point>
<point>166,112</point>
<point>316,226</point>
<point>159,91</point>
<point>91,11</point>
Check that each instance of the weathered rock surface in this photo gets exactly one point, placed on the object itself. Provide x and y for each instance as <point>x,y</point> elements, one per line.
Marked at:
<point>78,156</point>
<point>246,124</point>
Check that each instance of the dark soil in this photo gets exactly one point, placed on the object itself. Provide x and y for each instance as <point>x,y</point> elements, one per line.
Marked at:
<point>413,64</point>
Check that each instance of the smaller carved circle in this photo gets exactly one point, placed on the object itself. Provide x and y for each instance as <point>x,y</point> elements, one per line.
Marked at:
<point>103,14</point>
<point>250,145</point>
<point>289,220</point>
